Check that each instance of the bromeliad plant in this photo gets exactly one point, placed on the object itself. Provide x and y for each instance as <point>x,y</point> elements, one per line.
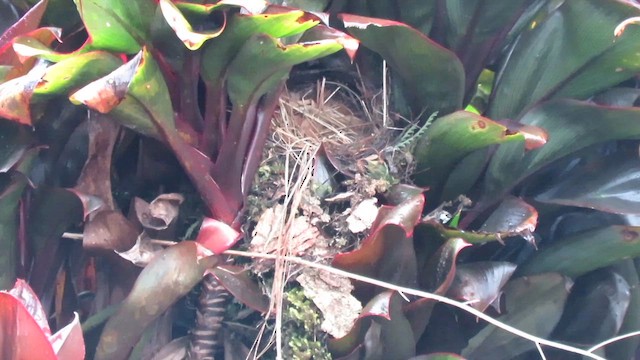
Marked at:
<point>538,126</point>
<point>201,80</point>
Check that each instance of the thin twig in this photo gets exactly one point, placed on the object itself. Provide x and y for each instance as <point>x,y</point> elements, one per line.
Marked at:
<point>403,290</point>
<point>612,340</point>
<point>423,294</point>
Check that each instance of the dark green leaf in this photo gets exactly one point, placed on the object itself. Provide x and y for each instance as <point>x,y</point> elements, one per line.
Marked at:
<point>626,349</point>
<point>513,217</point>
<point>480,283</point>
<point>605,185</point>
<point>571,52</point>
<point>382,331</point>
<point>595,309</point>
<point>432,77</point>
<point>534,305</point>
<point>586,251</point>
<point>571,125</point>
<point>476,30</point>
<point>439,272</point>
<point>14,139</point>
<point>245,290</point>
<point>9,223</point>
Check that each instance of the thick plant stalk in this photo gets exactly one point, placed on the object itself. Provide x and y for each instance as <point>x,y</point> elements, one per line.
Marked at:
<point>206,337</point>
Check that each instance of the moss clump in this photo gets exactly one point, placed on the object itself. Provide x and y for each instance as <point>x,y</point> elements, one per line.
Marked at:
<point>304,340</point>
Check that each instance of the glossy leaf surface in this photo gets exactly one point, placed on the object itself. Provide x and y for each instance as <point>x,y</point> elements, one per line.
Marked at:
<point>452,137</point>
<point>414,58</point>
<point>382,331</point>
<point>480,283</point>
<point>586,251</point>
<point>534,304</point>
<point>610,186</point>
<point>571,125</point>
<point>169,276</point>
<point>118,26</point>
<point>595,309</point>
<point>568,52</point>
<point>387,253</point>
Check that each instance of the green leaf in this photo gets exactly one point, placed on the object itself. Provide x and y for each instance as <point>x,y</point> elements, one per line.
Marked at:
<point>608,185</point>
<point>9,223</point>
<point>191,39</point>
<point>586,251</point>
<point>431,77</point>
<point>439,272</point>
<point>117,25</point>
<point>476,31</point>
<point>136,95</point>
<point>247,82</point>
<point>169,276</point>
<point>450,139</point>
<point>571,52</point>
<point>534,305</point>
<point>571,125</point>
<point>218,53</point>
<point>480,283</point>
<point>600,297</point>
<point>14,140</point>
<point>76,71</point>
<point>626,349</point>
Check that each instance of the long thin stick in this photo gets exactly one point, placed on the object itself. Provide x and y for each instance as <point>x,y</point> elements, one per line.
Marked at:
<point>403,290</point>
<point>424,294</point>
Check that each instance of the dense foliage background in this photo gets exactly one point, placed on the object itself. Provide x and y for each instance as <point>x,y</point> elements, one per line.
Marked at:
<point>135,149</point>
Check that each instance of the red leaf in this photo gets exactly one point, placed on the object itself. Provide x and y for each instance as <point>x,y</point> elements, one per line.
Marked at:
<point>28,22</point>
<point>68,342</point>
<point>217,236</point>
<point>20,335</point>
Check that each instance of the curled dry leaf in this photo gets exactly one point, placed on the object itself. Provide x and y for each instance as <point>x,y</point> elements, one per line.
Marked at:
<point>95,178</point>
<point>332,295</point>
<point>160,213</point>
<point>142,251</point>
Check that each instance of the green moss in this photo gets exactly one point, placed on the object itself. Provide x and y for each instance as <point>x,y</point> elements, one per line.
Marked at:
<point>301,329</point>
